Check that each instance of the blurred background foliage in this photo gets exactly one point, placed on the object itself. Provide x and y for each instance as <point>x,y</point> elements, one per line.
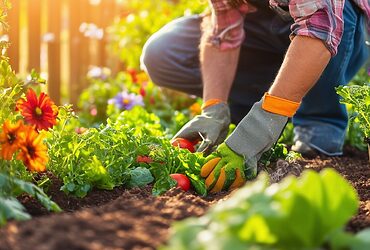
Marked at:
<point>140,19</point>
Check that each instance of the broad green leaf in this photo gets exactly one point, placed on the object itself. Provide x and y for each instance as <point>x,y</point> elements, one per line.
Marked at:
<point>304,213</point>
<point>140,177</point>
<point>10,208</point>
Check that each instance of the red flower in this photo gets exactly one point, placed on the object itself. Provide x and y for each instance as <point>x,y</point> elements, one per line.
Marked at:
<point>41,112</point>
<point>142,92</point>
<point>133,74</point>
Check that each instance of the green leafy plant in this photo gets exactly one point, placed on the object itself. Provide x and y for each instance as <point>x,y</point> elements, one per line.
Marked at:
<point>358,99</point>
<point>106,156</point>
<point>306,213</point>
<point>10,208</point>
<point>278,151</point>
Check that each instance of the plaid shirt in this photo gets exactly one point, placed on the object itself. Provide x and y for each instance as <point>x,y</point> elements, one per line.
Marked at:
<point>227,24</point>
<point>322,19</point>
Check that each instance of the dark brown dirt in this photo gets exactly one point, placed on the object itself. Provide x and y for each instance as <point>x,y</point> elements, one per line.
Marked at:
<point>134,219</point>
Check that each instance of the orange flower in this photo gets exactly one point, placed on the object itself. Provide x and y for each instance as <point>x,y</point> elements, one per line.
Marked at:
<point>195,109</point>
<point>33,151</point>
<point>142,78</point>
<point>41,112</point>
<point>10,139</point>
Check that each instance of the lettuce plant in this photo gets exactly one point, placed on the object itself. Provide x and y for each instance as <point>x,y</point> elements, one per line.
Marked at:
<point>305,213</point>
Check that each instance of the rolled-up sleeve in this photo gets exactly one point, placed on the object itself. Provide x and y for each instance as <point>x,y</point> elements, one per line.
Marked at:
<point>227,30</point>
<point>321,19</point>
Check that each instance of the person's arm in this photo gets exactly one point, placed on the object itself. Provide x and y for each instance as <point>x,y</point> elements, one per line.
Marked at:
<point>222,35</point>
<point>235,161</point>
<point>218,71</point>
<point>304,63</point>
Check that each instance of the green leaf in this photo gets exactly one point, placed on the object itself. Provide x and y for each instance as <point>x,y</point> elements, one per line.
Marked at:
<point>140,177</point>
<point>163,184</point>
<point>297,214</point>
<point>10,208</point>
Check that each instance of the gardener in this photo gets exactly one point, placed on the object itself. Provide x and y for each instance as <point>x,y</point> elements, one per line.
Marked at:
<point>304,48</point>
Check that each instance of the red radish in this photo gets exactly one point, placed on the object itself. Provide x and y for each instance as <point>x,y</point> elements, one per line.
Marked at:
<point>143,159</point>
<point>183,143</point>
<point>182,181</point>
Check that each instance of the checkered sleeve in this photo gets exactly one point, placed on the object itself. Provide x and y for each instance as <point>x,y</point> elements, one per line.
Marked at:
<point>322,19</point>
<point>227,24</point>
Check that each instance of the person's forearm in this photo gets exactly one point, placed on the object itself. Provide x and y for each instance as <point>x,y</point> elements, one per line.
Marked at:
<point>218,68</point>
<point>218,71</point>
<point>304,63</point>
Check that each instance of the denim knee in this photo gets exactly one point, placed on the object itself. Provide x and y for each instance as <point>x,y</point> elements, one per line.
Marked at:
<point>324,137</point>
<point>153,57</point>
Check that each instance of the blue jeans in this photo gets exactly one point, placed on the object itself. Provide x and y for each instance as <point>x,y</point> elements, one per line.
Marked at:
<point>171,58</point>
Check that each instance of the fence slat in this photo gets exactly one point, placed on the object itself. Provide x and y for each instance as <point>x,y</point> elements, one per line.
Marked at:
<point>85,43</point>
<point>82,51</point>
<point>34,34</point>
<point>54,60</point>
<point>74,50</point>
<point>13,19</point>
<point>106,19</point>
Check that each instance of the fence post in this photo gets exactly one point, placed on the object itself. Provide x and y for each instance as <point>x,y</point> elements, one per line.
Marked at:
<point>78,48</point>
<point>85,44</point>
<point>34,34</point>
<point>13,19</point>
<point>108,7</point>
<point>74,49</point>
<point>54,27</point>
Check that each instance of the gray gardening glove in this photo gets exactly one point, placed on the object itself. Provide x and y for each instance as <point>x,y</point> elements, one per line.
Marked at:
<point>212,124</point>
<point>254,135</point>
<point>235,161</point>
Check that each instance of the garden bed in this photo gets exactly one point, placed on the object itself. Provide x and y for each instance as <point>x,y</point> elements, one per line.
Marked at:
<point>134,219</point>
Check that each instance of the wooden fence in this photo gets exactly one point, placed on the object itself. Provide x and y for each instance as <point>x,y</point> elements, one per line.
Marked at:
<point>48,35</point>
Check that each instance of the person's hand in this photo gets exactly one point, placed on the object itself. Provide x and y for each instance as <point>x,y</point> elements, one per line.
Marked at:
<point>212,125</point>
<point>235,161</point>
<point>224,169</point>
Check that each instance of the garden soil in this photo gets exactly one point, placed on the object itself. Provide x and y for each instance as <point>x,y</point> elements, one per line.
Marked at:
<point>134,219</point>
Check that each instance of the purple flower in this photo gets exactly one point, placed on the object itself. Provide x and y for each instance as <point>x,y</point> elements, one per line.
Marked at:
<point>126,101</point>
<point>99,73</point>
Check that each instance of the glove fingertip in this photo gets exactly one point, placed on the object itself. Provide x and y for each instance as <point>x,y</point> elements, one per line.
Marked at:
<point>239,180</point>
<point>220,182</point>
<point>210,180</point>
<point>209,165</point>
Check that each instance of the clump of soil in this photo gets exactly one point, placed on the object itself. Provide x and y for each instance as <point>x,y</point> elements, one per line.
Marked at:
<point>134,219</point>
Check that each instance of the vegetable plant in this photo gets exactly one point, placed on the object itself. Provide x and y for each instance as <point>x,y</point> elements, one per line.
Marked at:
<point>118,151</point>
<point>358,98</point>
<point>182,181</point>
<point>183,143</point>
<point>305,213</point>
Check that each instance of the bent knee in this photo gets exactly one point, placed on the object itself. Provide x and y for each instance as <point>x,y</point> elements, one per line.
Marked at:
<point>154,57</point>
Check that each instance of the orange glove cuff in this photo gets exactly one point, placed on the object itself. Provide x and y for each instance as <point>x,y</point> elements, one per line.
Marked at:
<point>280,106</point>
<point>211,102</point>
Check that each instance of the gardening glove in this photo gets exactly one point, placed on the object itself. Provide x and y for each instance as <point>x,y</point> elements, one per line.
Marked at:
<point>212,125</point>
<point>235,161</point>
<point>224,168</point>
<point>227,26</point>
